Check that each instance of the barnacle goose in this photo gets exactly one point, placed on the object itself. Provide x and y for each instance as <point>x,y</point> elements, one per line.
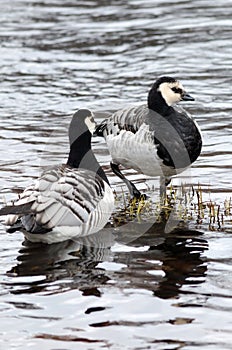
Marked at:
<point>69,200</point>
<point>156,139</point>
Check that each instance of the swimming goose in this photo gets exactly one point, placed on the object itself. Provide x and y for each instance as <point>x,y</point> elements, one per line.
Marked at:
<point>156,139</point>
<point>68,200</point>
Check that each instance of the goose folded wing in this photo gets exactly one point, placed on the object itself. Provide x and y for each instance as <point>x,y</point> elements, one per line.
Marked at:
<point>69,201</point>
<point>129,119</point>
<point>61,197</point>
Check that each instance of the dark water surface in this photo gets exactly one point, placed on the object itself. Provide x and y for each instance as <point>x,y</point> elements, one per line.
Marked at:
<point>134,287</point>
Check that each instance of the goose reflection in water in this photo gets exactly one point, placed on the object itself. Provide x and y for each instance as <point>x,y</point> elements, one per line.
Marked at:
<point>155,261</point>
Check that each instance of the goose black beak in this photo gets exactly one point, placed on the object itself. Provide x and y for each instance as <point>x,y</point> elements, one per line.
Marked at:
<point>187,97</point>
<point>95,131</point>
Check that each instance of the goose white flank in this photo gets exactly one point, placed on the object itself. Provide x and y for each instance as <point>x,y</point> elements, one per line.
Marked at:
<point>69,200</point>
<point>156,139</point>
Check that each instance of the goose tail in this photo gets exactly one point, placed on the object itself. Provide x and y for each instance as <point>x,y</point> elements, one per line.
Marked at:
<point>17,226</point>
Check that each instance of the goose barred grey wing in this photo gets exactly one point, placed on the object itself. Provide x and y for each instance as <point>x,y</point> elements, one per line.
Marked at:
<point>129,119</point>
<point>61,197</point>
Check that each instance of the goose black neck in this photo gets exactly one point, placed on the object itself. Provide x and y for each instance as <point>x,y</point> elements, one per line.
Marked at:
<point>157,103</point>
<point>82,156</point>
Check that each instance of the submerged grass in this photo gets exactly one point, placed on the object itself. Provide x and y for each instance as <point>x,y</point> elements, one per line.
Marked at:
<point>187,204</point>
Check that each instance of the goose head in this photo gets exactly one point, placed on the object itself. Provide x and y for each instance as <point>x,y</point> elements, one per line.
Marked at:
<point>82,123</point>
<point>170,89</point>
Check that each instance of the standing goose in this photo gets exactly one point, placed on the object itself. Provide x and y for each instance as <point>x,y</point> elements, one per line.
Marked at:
<point>69,200</point>
<point>156,139</point>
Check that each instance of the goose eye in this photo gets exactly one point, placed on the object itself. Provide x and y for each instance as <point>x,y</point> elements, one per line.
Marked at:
<point>176,90</point>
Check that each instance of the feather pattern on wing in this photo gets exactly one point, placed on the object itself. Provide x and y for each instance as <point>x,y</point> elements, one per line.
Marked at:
<point>61,197</point>
<point>129,119</point>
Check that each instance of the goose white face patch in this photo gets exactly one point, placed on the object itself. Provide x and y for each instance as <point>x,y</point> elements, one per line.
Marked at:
<point>171,92</point>
<point>89,121</point>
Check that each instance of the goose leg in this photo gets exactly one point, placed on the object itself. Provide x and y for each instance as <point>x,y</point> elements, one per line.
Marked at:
<point>134,192</point>
<point>164,182</point>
